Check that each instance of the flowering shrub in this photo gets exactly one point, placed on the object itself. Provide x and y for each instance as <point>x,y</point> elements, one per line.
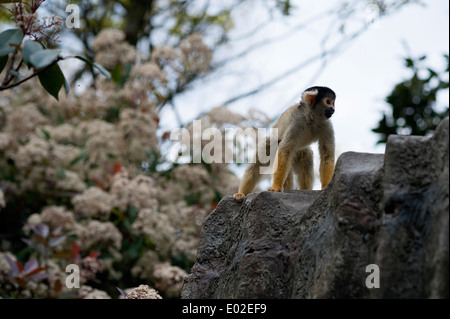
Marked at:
<point>90,170</point>
<point>28,45</point>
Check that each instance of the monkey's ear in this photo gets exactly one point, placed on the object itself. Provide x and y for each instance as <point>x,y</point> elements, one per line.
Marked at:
<point>309,97</point>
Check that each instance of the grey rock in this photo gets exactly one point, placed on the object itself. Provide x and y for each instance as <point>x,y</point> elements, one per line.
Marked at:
<point>391,210</point>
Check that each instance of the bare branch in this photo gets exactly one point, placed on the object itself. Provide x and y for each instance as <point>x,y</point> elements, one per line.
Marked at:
<point>295,69</point>
<point>274,39</point>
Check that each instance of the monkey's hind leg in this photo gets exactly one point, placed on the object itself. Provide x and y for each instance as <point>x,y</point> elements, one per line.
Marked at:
<point>289,182</point>
<point>282,168</point>
<point>304,168</point>
<point>248,183</point>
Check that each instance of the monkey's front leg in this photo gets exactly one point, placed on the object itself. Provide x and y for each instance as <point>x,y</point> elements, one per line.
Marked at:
<point>326,149</point>
<point>326,172</point>
<point>281,169</point>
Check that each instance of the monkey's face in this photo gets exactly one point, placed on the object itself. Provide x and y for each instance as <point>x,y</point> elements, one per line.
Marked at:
<point>328,104</point>
<point>321,99</point>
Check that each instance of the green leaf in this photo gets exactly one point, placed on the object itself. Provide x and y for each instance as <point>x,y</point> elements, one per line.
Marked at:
<point>118,213</point>
<point>82,157</point>
<point>46,134</point>
<point>44,58</point>
<point>61,173</point>
<point>52,79</point>
<point>432,73</point>
<point>134,251</point>
<point>133,212</point>
<point>95,65</point>
<point>66,86</point>
<point>8,37</point>
<point>29,48</point>
<point>121,73</point>
<point>117,73</point>
<point>3,61</point>
<point>409,62</point>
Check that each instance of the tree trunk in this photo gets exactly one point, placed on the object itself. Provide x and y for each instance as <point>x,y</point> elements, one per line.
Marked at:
<point>138,11</point>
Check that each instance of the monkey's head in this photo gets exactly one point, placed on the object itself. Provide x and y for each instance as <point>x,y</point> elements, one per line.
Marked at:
<point>321,99</point>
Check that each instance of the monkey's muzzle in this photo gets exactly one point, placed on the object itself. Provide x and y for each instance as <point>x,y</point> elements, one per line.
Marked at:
<point>329,111</point>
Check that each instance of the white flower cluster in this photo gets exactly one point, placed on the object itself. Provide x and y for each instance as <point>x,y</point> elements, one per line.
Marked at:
<point>54,216</point>
<point>142,292</point>
<point>93,203</point>
<point>23,121</point>
<point>139,192</point>
<point>90,267</point>
<point>138,127</point>
<point>91,233</point>
<point>197,55</point>
<point>155,226</point>
<point>150,73</point>
<point>87,292</point>
<point>169,278</point>
<point>4,266</point>
<point>111,49</point>
<point>5,142</point>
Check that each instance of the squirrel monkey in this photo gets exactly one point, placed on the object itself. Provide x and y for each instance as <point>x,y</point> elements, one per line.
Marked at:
<point>298,127</point>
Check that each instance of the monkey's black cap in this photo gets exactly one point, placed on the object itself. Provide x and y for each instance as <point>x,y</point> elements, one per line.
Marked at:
<point>322,91</point>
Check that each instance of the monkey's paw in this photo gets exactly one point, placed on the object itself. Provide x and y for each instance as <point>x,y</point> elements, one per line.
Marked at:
<point>276,189</point>
<point>239,197</point>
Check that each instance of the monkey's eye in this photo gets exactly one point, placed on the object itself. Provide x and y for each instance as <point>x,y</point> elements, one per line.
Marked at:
<point>328,101</point>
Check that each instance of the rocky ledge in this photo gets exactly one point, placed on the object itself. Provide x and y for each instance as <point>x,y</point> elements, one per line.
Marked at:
<point>390,211</point>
